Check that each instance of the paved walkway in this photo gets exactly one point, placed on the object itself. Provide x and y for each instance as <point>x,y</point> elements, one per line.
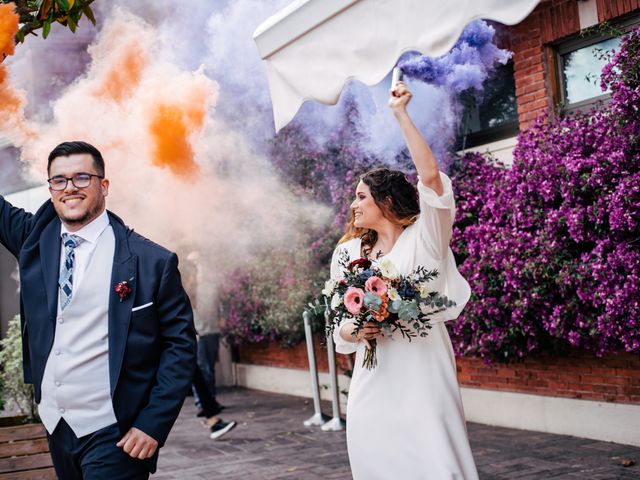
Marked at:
<point>271,443</point>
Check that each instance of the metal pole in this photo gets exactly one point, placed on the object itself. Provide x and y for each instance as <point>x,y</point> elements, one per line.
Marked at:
<point>317,418</point>
<point>336,423</point>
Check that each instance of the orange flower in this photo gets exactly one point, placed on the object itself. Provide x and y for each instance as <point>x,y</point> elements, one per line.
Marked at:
<point>382,312</point>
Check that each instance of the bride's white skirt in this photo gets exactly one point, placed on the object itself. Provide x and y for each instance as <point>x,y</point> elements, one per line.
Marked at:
<point>404,417</point>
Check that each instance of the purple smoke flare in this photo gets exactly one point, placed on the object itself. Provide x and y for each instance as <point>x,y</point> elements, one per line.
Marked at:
<point>466,66</point>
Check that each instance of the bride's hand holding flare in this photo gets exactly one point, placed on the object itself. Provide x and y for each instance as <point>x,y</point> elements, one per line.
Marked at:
<point>399,98</point>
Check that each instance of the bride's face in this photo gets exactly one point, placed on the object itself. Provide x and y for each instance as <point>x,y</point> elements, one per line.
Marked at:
<point>366,212</point>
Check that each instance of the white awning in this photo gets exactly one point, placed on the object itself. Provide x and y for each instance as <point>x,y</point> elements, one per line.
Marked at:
<point>312,47</point>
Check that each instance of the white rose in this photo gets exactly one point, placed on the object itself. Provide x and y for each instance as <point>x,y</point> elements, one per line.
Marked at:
<point>388,269</point>
<point>424,290</point>
<point>335,301</point>
<point>393,294</point>
<point>329,286</point>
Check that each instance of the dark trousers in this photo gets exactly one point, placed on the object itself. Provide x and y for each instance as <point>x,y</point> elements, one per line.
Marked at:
<point>209,405</point>
<point>208,346</point>
<point>94,456</point>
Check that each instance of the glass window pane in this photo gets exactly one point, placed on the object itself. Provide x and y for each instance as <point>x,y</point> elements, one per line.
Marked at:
<point>496,105</point>
<point>582,67</point>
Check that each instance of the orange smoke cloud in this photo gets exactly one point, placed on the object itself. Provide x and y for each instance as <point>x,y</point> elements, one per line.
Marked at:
<point>11,100</point>
<point>9,20</point>
<point>123,78</point>
<point>120,60</point>
<point>170,128</point>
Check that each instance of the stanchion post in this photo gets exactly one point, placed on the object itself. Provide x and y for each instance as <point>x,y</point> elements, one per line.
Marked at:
<point>336,423</point>
<point>317,418</point>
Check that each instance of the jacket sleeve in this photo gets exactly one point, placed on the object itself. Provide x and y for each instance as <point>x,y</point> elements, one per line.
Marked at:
<point>15,225</point>
<point>177,360</point>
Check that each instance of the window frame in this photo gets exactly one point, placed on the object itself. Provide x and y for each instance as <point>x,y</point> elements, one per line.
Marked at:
<point>583,39</point>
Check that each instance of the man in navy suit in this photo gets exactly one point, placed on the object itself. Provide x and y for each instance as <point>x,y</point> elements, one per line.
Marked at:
<point>108,337</point>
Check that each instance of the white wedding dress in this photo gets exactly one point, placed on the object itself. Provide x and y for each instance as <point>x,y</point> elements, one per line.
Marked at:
<point>404,417</point>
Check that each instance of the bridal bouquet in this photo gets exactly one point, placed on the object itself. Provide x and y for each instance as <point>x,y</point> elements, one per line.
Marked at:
<point>376,292</point>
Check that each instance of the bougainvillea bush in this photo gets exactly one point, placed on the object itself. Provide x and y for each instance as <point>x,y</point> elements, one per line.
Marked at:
<point>551,247</point>
<point>264,299</point>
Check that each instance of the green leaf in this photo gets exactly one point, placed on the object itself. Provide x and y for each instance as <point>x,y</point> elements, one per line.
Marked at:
<point>72,24</point>
<point>89,13</point>
<point>64,5</point>
<point>46,28</point>
<point>20,36</point>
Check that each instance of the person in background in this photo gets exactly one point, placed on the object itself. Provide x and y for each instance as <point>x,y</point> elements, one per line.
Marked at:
<point>209,408</point>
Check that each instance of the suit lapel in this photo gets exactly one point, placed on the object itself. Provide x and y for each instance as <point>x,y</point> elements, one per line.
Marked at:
<point>124,270</point>
<point>50,245</point>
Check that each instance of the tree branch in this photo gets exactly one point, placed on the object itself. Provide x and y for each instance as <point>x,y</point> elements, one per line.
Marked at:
<point>30,21</point>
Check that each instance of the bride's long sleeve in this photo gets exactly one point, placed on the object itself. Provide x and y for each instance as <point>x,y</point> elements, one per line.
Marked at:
<point>437,214</point>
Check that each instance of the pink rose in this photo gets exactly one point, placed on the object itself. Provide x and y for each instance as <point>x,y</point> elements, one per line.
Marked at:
<point>353,299</point>
<point>376,285</point>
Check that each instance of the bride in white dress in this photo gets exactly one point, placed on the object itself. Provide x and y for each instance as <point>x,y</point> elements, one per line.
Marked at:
<point>404,417</point>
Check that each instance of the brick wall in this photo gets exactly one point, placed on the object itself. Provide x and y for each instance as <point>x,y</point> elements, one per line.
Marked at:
<point>613,378</point>
<point>274,355</point>
<point>610,9</point>
<point>551,20</point>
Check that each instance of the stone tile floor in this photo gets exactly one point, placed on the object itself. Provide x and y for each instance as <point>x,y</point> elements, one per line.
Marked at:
<point>270,442</point>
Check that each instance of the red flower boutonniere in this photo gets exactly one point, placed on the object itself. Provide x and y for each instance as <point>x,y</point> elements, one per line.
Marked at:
<point>123,289</point>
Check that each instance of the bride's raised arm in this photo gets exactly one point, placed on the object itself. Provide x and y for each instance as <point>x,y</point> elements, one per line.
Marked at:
<point>437,205</point>
<point>421,154</point>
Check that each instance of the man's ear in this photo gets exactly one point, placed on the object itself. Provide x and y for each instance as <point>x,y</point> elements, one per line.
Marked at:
<point>104,185</point>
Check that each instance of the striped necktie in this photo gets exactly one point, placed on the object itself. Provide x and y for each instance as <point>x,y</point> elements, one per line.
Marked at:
<point>66,274</point>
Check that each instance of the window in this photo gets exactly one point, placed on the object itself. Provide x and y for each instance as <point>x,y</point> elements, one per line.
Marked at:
<point>579,62</point>
<point>492,115</point>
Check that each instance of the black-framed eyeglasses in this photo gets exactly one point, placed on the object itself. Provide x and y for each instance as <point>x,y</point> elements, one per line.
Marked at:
<point>79,180</point>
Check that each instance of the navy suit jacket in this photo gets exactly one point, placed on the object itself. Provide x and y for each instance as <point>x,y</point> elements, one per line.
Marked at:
<point>152,352</point>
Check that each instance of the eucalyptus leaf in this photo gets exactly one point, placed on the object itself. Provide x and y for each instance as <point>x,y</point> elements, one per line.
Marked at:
<point>372,301</point>
<point>409,311</point>
<point>395,306</point>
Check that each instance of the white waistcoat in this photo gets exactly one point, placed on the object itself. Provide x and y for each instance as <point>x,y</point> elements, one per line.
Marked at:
<point>75,385</point>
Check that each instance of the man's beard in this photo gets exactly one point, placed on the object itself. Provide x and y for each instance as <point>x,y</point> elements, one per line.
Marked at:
<point>91,214</point>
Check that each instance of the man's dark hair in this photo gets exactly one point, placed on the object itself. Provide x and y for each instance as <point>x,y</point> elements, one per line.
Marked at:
<point>70,148</point>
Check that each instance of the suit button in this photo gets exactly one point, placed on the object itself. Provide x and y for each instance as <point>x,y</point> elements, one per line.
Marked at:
<point>57,351</point>
<point>60,320</point>
<point>58,384</point>
<point>61,410</point>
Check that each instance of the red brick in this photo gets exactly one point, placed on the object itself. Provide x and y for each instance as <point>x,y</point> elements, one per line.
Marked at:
<point>527,53</point>
<point>540,104</point>
<point>536,67</point>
